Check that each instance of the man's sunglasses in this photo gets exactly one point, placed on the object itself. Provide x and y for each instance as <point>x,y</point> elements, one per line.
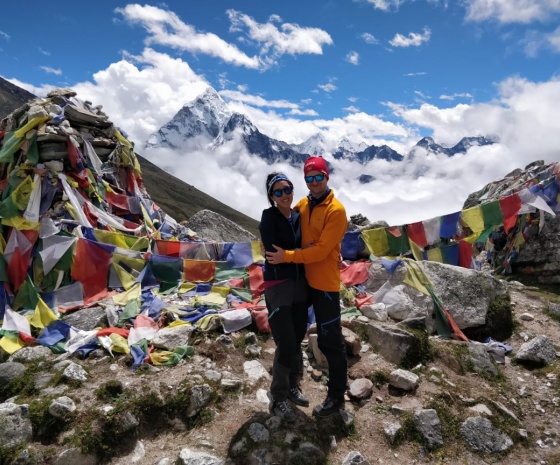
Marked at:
<point>317,177</point>
<point>286,190</point>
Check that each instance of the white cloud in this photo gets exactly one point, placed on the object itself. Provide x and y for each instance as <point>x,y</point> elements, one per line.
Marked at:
<point>353,58</point>
<point>353,99</point>
<point>369,38</point>
<point>307,112</point>
<point>289,38</point>
<point>4,35</point>
<point>166,28</point>
<point>351,109</point>
<point>414,39</point>
<point>421,73</point>
<point>554,39</point>
<point>329,87</point>
<point>386,5</point>
<point>48,69</point>
<point>44,52</point>
<point>511,11</point>
<point>257,100</point>
<point>454,96</point>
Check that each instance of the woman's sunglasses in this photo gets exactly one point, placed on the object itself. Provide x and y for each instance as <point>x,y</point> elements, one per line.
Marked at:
<point>286,190</point>
<point>317,177</point>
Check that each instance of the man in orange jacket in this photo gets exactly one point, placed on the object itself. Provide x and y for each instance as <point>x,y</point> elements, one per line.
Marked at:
<point>323,224</point>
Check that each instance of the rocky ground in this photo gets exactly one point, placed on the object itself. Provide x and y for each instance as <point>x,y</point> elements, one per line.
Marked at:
<point>155,416</point>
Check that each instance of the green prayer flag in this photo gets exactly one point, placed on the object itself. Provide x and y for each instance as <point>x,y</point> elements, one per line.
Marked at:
<point>492,213</point>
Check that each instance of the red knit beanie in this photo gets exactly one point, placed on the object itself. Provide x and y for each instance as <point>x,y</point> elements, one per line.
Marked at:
<point>316,164</point>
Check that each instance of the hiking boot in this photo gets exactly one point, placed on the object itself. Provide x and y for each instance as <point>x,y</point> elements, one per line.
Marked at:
<point>297,397</point>
<point>328,407</point>
<point>283,410</point>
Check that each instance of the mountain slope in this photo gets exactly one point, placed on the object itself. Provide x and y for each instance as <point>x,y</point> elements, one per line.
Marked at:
<point>12,97</point>
<point>181,200</point>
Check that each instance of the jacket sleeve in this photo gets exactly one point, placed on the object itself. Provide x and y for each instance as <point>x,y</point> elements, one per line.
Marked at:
<point>268,231</point>
<point>331,235</point>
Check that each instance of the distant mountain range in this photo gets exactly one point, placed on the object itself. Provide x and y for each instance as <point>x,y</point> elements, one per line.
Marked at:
<point>207,123</point>
<point>12,97</point>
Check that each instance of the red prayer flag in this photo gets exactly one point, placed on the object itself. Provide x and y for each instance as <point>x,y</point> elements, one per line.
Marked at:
<point>256,280</point>
<point>356,273</point>
<point>198,270</point>
<point>417,233</point>
<point>91,267</point>
<point>510,207</point>
<point>465,254</point>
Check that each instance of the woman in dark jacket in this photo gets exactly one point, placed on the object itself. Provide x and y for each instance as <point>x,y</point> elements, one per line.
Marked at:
<point>286,296</point>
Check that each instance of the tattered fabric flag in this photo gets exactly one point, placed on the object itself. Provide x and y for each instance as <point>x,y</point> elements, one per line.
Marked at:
<point>449,222</point>
<point>450,254</point>
<point>473,218</point>
<point>465,254</point>
<point>22,193</point>
<point>492,213</point>
<point>351,245</point>
<point>417,234</point>
<point>4,300</point>
<point>131,295</point>
<point>54,332</point>
<point>53,249</point>
<point>510,206</point>
<point>397,240</point>
<point>198,270</point>
<point>169,248</point>
<point>27,296</point>
<point>256,280</point>
<point>445,324</point>
<point>117,200</point>
<point>165,357</point>
<point>32,211</point>
<point>91,268</point>
<point>434,255</point>
<point>165,269</point>
<point>417,252</point>
<point>240,255</point>
<point>18,255</point>
<point>529,198</point>
<point>13,321</point>
<point>257,249</point>
<point>355,273</point>
<point>42,316</point>
<point>431,228</point>
<point>376,241</point>
<point>11,145</point>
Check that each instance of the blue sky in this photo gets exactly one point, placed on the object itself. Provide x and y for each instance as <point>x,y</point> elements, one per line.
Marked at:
<point>379,71</point>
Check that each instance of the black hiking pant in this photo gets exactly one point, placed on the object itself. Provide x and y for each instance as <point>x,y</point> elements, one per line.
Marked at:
<point>329,339</point>
<point>287,304</point>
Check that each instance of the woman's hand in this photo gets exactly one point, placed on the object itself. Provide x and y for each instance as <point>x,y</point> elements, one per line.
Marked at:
<point>279,256</point>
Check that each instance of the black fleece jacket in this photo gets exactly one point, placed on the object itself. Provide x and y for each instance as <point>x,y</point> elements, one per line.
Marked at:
<point>276,229</point>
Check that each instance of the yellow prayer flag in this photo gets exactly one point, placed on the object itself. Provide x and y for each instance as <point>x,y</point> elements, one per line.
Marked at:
<point>416,277</point>
<point>119,344</point>
<point>175,323</point>
<point>124,297</point>
<point>213,298</point>
<point>474,219</point>
<point>108,237</point>
<point>472,238</point>
<point>518,241</point>
<point>434,255</point>
<point>185,287</point>
<point>42,315</point>
<point>376,241</point>
<point>22,193</point>
<point>10,346</point>
<point>21,224</point>
<point>127,280</point>
<point>30,125</point>
<point>2,243</point>
<point>256,248</point>
<point>416,250</point>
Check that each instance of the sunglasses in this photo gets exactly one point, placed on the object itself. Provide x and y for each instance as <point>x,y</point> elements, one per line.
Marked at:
<point>286,190</point>
<point>317,177</point>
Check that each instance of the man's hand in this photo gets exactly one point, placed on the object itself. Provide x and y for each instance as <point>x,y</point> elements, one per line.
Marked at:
<point>276,257</point>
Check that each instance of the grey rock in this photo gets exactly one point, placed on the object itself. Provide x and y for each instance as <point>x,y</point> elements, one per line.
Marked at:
<point>213,227</point>
<point>539,350</point>
<point>319,357</point>
<point>74,456</point>
<point>361,388</point>
<point>392,343</point>
<point>253,351</point>
<point>355,458</point>
<point>255,370</point>
<point>481,360</point>
<point>10,371</point>
<point>15,425</point>
<point>480,435</point>
<point>30,354</point>
<point>25,457</point>
<point>75,372</point>
<point>191,457</point>
<point>258,432</point>
<point>352,341</point>
<point>170,338</point>
<point>403,379</point>
<point>391,430</point>
<point>201,395</point>
<point>87,318</point>
<point>428,424</point>
<point>307,453</point>
<point>61,407</point>
<point>213,376</point>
